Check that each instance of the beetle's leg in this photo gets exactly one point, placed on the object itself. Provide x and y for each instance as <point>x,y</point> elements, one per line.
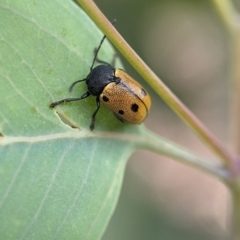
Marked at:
<point>114,59</point>
<point>105,63</point>
<point>95,113</point>
<point>54,104</point>
<point>118,117</point>
<point>99,60</point>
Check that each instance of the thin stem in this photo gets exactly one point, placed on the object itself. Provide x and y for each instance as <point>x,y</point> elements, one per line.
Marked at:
<point>157,85</point>
<point>167,148</point>
<point>229,17</point>
<point>236,210</point>
<point>153,142</point>
<point>235,92</point>
<point>226,12</point>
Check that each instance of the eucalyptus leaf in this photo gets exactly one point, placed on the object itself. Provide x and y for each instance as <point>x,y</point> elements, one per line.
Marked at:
<point>58,180</point>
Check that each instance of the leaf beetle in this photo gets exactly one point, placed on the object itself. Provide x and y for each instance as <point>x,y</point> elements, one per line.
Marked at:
<point>120,93</point>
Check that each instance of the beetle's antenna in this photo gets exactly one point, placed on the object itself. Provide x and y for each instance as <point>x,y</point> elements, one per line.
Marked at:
<point>74,83</point>
<point>97,50</point>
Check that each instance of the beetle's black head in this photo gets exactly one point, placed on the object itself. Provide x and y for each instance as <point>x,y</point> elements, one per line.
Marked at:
<point>99,78</point>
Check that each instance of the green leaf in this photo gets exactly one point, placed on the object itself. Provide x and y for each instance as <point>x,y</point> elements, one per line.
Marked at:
<point>58,180</point>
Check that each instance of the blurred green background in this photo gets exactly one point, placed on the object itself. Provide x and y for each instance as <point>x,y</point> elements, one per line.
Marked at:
<point>187,46</point>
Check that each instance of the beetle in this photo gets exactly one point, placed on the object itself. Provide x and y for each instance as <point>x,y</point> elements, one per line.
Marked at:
<point>119,92</point>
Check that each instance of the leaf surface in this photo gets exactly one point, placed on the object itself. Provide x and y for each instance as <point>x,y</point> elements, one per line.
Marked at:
<point>58,180</point>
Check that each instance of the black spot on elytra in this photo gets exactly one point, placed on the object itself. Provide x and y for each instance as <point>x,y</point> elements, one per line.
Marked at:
<point>134,107</point>
<point>143,92</point>
<point>105,98</point>
<point>121,112</point>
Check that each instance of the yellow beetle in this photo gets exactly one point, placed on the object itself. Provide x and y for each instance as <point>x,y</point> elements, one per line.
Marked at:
<point>120,93</point>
